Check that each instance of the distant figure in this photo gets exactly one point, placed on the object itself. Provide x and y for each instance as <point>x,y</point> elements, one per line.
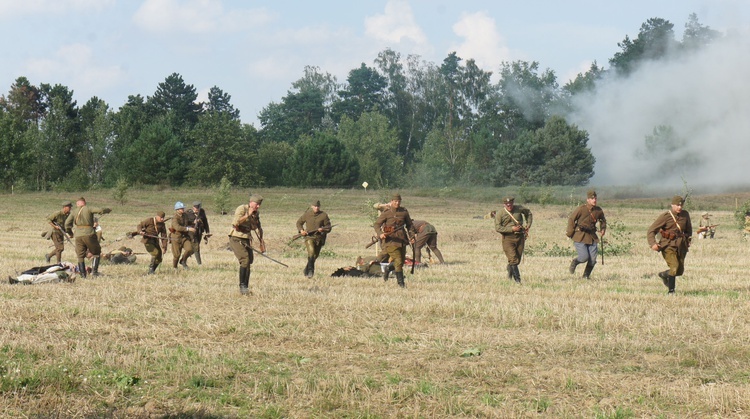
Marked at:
<point>675,229</point>
<point>182,245</point>
<point>120,256</point>
<point>513,223</point>
<point>391,227</point>
<point>56,232</point>
<point>582,229</point>
<point>746,230</point>
<point>196,218</point>
<point>314,225</point>
<point>706,230</point>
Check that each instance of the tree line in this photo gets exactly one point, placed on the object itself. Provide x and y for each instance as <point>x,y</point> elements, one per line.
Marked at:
<point>399,122</point>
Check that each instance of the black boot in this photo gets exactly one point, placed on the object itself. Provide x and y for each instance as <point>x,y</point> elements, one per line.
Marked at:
<point>244,281</point>
<point>152,268</point>
<point>400,279</point>
<point>664,278</point>
<point>387,271</point>
<point>573,264</point>
<point>82,269</point>
<point>310,267</point>
<point>95,266</point>
<point>672,280</point>
<point>510,271</point>
<point>183,263</point>
<point>516,274</point>
<point>587,271</point>
<point>198,258</point>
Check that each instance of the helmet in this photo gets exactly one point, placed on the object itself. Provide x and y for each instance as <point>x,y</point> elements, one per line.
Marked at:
<point>179,205</point>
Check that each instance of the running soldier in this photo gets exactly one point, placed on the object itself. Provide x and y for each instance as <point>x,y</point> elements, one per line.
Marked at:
<point>392,226</point>
<point>182,246</point>
<point>153,231</point>
<point>582,229</point>
<point>246,219</point>
<point>676,230</point>
<point>314,225</point>
<point>513,223</point>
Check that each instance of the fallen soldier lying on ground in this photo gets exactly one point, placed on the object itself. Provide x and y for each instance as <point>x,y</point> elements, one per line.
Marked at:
<point>61,272</point>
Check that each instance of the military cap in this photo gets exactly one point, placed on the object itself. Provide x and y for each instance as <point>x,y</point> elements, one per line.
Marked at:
<point>67,204</point>
<point>161,214</point>
<point>197,204</point>
<point>677,200</point>
<point>179,205</point>
<point>315,203</point>
<point>396,197</point>
<point>705,214</point>
<point>256,198</point>
<point>508,199</point>
<point>591,194</point>
<point>81,199</point>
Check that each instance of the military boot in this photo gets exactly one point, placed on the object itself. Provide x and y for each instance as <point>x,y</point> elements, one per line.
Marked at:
<point>587,271</point>
<point>510,271</point>
<point>516,274</point>
<point>672,282</point>
<point>82,269</point>
<point>95,267</point>
<point>664,278</point>
<point>400,279</point>
<point>244,280</point>
<point>310,267</point>
<point>152,268</point>
<point>183,263</point>
<point>387,270</point>
<point>573,264</point>
<point>198,258</point>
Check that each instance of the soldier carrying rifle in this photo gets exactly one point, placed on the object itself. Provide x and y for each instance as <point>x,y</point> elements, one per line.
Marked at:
<point>196,217</point>
<point>395,227</point>
<point>582,229</point>
<point>57,233</point>
<point>676,230</point>
<point>154,231</point>
<point>314,225</point>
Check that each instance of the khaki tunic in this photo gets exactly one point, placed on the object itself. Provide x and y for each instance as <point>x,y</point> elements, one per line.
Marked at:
<point>582,224</point>
<point>392,222</point>
<point>674,248</point>
<point>151,227</point>
<point>240,238</point>
<point>312,221</point>
<point>181,243</point>
<point>513,241</point>
<point>58,236</point>
<point>81,222</point>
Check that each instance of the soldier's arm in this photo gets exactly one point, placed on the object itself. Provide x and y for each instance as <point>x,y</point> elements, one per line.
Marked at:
<point>205,221</point>
<point>379,223</point>
<point>326,224</point>
<point>301,222</point>
<point>570,230</point>
<point>529,218</point>
<point>654,228</point>
<point>602,222</point>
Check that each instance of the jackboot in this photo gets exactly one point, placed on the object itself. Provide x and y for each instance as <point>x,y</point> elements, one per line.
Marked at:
<point>244,280</point>
<point>152,268</point>
<point>510,271</point>
<point>587,271</point>
<point>95,267</point>
<point>387,271</point>
<point>672,281</point>
<point>664,278</point>
<point>573,264</point>
<point>82,269</point>
<point>198,257</point>
<point>183,263</point>
<point>516,274</point>
<point>310,267</point>
<point>400,279</point>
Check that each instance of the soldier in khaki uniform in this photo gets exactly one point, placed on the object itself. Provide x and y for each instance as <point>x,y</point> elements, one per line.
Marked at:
<point>182,246</point>
<point>426,236</point>
<point>314,225</point>
<point>676,230</point>
<point>153,230</point>
<point>390,227</point>
<point>246,219</point>
<point>582,229</point>
<point>82,219</point>
<point>56,233</point>
<point>513,223</point>
<point>120,256</point>
<point>196,218</point>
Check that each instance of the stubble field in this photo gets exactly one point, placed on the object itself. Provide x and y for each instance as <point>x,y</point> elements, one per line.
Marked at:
<point>460,340</point>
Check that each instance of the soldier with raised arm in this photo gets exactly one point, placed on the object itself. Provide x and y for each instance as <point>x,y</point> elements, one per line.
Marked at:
<point>246,219</point>
<point>80,223</point>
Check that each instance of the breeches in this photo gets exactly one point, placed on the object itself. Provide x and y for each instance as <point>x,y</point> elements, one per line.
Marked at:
<point>397,255</point>
<point>587,252</point>
<point>313,247</point>
<point>153,249</point>
<point>179,244</point>
<point>87,244</point>
<point>241,249</point>
<point>675,260</point>
<point>513,247</point>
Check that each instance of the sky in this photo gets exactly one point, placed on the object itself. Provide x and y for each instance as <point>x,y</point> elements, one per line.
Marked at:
<point>255,50</point>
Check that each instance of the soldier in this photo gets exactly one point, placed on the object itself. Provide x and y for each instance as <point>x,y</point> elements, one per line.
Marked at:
<point>120,256</point>
<point>706,230</point>
<point>153,230</point>
<point>314,225</point>
<point>390,227</point>
<point>513,223</point>
<point>675,229</point>
<point>57,233</point>
<point>196,218</point>
<point>85,235</point>
<point>246,219</point>
<point>426,236</point>
<point>182,246</point>
<point>582,229</point>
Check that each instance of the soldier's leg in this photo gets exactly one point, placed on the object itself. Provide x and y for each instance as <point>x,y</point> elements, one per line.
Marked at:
<point>241,249</point>
<point>153,249</point>
<point>197,251</point>
<point>81,256</point>
<point>592,251</point>
<point>92,243</point>
<point>176,251</point>
<point>59,242</point>
<point>310,248</point>
<point>432,245</point>
<point>519,247</point>
<point>400,273</point>
<point>418,245</point>
<point>187,251</point>
<point>671,257</point>
<point>510,253</point>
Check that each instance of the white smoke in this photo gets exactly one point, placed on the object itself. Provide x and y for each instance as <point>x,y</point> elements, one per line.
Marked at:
<point>704,97</point>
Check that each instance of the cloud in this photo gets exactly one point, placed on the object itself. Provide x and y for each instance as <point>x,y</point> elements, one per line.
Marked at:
<point>74,66</point>
<point>482,42</point>
<point>396,25</point>
<point>196,16</point>
<point>13,8</point>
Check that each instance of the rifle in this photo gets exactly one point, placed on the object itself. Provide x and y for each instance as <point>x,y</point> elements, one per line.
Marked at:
<point>376,239</point>
<point>263,254</point>
<point>706,228</point>
<point>602,243</point>
<point>62,230</point>
<point>138,233</point>
<point>413,249</point>
<point>310,233</point>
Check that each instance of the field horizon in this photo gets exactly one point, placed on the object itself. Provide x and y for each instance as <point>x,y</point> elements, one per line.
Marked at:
<point>460,341</point>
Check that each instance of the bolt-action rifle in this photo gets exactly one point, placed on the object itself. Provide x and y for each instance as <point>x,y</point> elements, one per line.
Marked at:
<point>62,230</point>
<point>312,233</point>
<point>706,228</point>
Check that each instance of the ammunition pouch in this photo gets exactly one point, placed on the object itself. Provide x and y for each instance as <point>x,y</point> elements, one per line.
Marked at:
<point>670,235</point>
<point>389,229</point>
<point>242,229</point>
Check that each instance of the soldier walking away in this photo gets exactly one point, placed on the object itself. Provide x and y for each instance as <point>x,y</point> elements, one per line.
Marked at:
<point>706,230</point>
<point>426,236</point>
<point>182,246</point>
<point>513,223</point>
<point>81,224</point>
<point>391,226</point>
<point>314,225</point>
<point>153,231</point>
<point>196,218</point>
<point>246,219</point>
<point>582,229</point>
<point>675,231</point>
<point>57,233</point>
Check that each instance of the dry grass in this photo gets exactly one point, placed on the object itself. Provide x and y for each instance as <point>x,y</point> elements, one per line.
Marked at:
<point>461,340</point>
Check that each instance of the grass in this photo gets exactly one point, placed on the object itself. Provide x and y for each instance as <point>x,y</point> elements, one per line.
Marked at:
<point>461,340</point>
